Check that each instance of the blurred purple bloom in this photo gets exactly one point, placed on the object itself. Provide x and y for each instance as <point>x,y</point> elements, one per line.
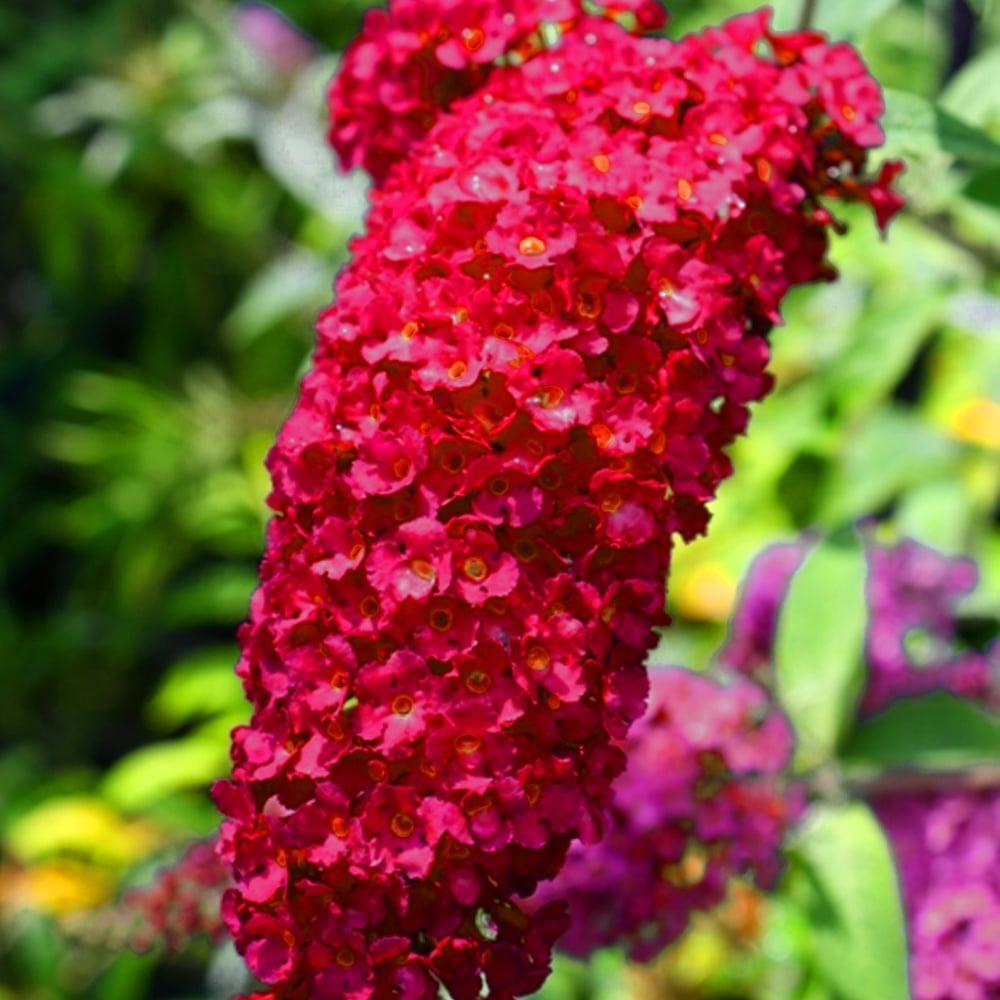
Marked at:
<point>947,847</point>
<point>281,45</point>
<point>749,647</point>
<point>913,593</point>
<point>911,644</point>
<point>702,800</point>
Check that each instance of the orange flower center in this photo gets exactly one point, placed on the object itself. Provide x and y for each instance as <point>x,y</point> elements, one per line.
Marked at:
<point>402,825</point>
<point>422,568</point>
<point>538,658</point>
<point>441,619</point>
<point>467,744</point>
<point>402,705</point>
<point>479,682</point>
<point>601,163</point>
<point>473,39</point>
<point>475,569</point>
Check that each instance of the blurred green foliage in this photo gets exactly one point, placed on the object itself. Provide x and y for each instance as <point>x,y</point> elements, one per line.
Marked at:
<point>172,224</point>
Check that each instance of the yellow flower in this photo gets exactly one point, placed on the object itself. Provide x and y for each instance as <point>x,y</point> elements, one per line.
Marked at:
<point>705,593</point>
<point>977,422</point>
<point>54,887</point>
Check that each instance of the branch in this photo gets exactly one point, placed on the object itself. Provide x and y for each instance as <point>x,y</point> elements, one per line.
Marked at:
<point>963,37</point>
<point>910,781</point>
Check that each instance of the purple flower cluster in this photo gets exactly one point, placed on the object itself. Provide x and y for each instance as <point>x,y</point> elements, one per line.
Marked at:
<point>913,594</point>
<point>946,844</point>
<point>180,903</point>
<point>948,851</point>
<point>911,644</point>
<point>702,800</point>
<point>749,647</point>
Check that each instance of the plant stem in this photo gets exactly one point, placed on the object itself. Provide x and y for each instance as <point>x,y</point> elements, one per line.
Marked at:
<point>963,37</point>
<point>979,777</point>
<point>808,13</point>
<point>909,781</point>
<point>829,784</point>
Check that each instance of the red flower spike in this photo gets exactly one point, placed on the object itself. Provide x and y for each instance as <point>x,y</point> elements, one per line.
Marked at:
<point>547,336</point>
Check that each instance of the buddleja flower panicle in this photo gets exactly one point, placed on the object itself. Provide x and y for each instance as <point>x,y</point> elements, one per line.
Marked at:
<point>705,798</point>
<point>545,339</point>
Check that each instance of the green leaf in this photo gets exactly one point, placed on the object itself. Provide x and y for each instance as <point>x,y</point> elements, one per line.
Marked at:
<point>982,7</point>
<point>939,514</point>
<point>156,770</point>
<point>984,186</point>
<point>295,284</point>
<point>890,453</point>
<point>916,128</point>
<point>128,976</point>
<point>938,731</point>
<point>856,913</point>
<point>217,595</point>
<point>40,954</point>
<point>599,978</point>
<point>203,684</point>
<point>838,18</point>
<point>80,826</point>
<point>972,94</point>
<point>819,644</point>
<point>871,366</point>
